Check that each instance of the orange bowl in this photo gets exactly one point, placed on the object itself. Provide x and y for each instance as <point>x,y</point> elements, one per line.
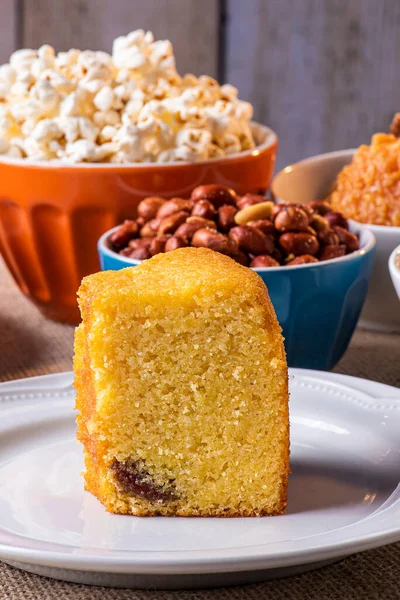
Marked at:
<point>52,214</point>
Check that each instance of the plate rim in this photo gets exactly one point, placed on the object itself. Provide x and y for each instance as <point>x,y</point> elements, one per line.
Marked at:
<point>380,396</point>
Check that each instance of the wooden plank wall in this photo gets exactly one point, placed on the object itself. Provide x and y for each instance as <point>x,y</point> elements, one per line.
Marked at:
<point>8,29</point>
<point>191,25</point>
<point>322,73</point>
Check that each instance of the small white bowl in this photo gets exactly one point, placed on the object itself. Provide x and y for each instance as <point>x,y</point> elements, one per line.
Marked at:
<point>395,270</point>
<point>312,179</point>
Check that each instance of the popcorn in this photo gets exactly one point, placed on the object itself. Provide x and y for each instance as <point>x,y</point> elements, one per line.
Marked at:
<point>46,96</point>
<point>104,99</point>
<point>108,133</point>
<point>37,151</point>
<point>229,92</point>
<point>130,106</point>
<point>45,60</point>
<point>60,83</point>
<point>15,152</point>
<point>230,143</point>
<point>87,130</point>
<point>106,151</point>
<point>197,140</point>
<point>215,151</point>
<point>7,75</point>
<point>81,151</point>
<point>132,110</point>
<point>111,117</point>
<point>96,70</point>
<point>66,64</point>
<point>27,127</point>
<point>22,59</point>
<point>70,128</point>
<point>130,144</point>
<point>76,103</point>
<point>46,130</point>
<point>4,146</point>
<point>8,128</point>
<point>244,111</point>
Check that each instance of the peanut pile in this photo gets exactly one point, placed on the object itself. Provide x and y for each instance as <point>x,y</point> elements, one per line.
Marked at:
<point>250,229</point>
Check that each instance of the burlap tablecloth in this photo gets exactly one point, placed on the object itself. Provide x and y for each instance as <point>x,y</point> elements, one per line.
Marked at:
<point>31,345</point>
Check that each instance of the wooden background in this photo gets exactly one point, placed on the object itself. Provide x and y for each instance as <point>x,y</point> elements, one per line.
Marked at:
<point>323,73</point>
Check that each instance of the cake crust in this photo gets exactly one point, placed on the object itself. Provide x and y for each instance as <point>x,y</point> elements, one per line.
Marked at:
<point>199,291</point>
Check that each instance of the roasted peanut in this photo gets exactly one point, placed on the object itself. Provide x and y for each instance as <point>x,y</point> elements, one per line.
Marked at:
<point>124,233</point>
<point>170,224</point>
<point>291,218</point>
<point>147,208</point>
<point>287,234</point>
<point>277,254</point>
<point>175,242</point>
<point>204,209</point>
<point>150,228</point>
<point>320,207</point>
<point>304,259</point>
<point>254,212</point>
<point>217,194</point>
<point>251,240</point>
<point>206,222</point>
<point>350,240</point>
<point>329,252</point>
<point>240,258</point>
<point>226,217</point>
<point>336,219</point>
<point>395,125</point>
<point>140,221</point>
<point>308,209</point>
<point>173,206</point>
<point>208,238</point>
<point>329,237</point>
<point>157,244</point>
<point>250,200</point>
<point>319,223</point>
<point>299,243</point>
<point>140,243</point>
<point>140,253</point>
<point>192,224</point>
<point>264,225</point>
<point>264,261</point>
<point>277,208</point>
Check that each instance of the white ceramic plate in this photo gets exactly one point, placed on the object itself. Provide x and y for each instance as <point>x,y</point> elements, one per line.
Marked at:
<point>344,494</point>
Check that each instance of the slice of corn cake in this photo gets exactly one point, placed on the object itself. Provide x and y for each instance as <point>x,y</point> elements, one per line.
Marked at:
<point>182,392</point>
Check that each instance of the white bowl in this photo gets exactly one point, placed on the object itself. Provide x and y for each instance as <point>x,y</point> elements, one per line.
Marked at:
<point>312,179</point>
<point>395,271</point>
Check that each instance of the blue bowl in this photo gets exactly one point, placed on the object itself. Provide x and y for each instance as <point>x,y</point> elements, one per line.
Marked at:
<point>317,304</point>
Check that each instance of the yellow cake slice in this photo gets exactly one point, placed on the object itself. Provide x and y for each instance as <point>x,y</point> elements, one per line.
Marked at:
<point>182,392</point>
